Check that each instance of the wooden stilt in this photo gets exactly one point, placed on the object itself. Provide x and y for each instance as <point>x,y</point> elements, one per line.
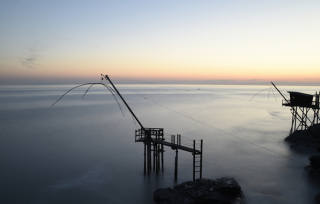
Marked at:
<point>145,146</point>
<point>194,160</point>
<point>154,141</point>
<point>154,156</point>
<point>201,159</point>
<point>162,156</point>
<point>176,165</point>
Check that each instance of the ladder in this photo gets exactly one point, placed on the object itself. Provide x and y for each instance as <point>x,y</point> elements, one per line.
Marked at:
<point>197,160</point>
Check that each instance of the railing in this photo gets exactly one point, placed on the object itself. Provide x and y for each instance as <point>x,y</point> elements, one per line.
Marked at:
<point>316,104</point>
<point>178,140</point>
<point>154,137</point>
<point>139,134</point>
<point>154,132</point>
<point>175,140</point>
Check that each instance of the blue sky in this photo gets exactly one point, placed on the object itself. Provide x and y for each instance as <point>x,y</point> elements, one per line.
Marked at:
<point>223,41</point>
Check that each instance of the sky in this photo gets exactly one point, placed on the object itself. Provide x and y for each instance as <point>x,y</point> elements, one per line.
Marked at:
<point>205,42</point>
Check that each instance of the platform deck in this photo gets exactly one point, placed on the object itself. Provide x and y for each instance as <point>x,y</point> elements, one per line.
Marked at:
<point>169,144</point>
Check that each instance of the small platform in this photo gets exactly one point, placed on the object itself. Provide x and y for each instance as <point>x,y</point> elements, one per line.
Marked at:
<point>154,141</point>
<point>169,144</point>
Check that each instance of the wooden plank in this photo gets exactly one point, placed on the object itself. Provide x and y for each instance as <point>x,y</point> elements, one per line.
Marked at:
<point>169,144</point>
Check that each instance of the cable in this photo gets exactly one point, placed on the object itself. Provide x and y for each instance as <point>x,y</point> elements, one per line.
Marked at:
<point>216,128</point>
<point>258,93</point>
<point>227,95</point>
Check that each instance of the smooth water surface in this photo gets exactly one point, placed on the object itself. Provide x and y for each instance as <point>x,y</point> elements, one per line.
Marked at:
<point>83,150</point>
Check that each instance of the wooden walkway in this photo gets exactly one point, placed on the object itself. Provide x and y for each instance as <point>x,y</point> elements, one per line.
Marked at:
<point>172,145</point>
<point>154,141</point>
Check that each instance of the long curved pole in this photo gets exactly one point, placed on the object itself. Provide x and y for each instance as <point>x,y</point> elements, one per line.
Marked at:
<point>296,112</point>
<point>280,92</point>
<point>107,78</point>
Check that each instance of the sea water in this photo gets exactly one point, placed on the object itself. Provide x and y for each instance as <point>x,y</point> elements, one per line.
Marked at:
<point>83,150</point>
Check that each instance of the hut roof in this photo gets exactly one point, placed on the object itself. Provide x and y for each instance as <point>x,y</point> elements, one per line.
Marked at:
<point>301,94</point>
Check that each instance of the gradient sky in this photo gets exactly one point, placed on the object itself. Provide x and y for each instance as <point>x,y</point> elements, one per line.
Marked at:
<point>218,42</point>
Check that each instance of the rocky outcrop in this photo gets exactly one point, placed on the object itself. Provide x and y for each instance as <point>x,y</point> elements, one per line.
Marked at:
<point>315,164</point>
<point>202,191</point>
<point>314,171</point>
<point>305,141</point>
<point>314,167</point>
<point>308,142</point>
<point>317,198</point>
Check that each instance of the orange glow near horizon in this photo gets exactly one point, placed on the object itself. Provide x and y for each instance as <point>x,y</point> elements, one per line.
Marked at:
<point>158,73</point>
<point>214,40</point>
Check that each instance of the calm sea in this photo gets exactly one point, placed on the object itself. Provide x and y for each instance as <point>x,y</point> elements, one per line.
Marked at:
<point>83,150</point>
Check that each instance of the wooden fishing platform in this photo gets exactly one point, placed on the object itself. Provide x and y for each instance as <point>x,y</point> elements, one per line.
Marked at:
<point>301,104</point>
<point>154,141</point>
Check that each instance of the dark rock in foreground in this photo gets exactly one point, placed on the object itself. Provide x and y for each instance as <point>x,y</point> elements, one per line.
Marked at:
<point>308,141</point>
<point>314,171</point>
<point>305,141</point>
<point>314,167</point>
<point>317,198</point>
<point>202,191</point>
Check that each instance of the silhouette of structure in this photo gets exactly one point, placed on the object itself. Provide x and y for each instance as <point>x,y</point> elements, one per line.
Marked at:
<point>154,141</point>
<point>301,104</point>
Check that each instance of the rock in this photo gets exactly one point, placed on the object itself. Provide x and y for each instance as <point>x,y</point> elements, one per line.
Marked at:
<point>314,167</point>
<point>221,190</point>
<point>315,161</point>
<point>317,198</point>
<point>308,141</point>
<point>305,141</point>
<point>162,194</point>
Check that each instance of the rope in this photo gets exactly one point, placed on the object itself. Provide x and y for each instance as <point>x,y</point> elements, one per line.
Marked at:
<point>210,126</point>
<point>227,95</point>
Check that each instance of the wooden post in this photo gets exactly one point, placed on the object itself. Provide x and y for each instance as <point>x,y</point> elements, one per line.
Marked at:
<point>201,159</point>
<point>292,122</point>
<point>154,155</point>
<point>145,146</point>
<point>173,141</point>
<point>157,153</point>
<point>307,110</point>
<point>158,158</point>
<point>176,165</point>
<point>295,119</point>
<point>162,155</point>
<point>148,150</point>
<point>318,108</point>
<point>302,117</point>
<point>313,108</point>
<point>194,160</point>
